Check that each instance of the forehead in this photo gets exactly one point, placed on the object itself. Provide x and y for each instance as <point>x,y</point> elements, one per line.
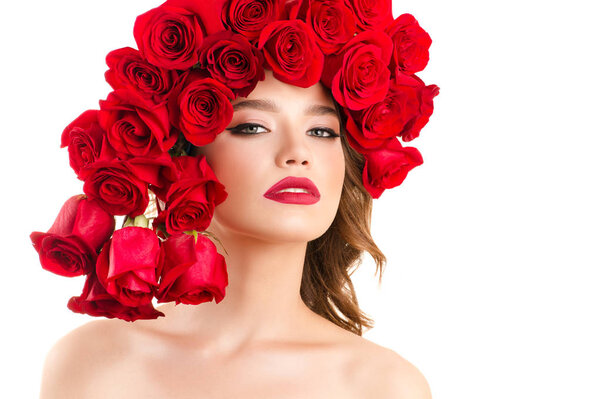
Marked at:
<point>268,105</point>
<point>273,93</point>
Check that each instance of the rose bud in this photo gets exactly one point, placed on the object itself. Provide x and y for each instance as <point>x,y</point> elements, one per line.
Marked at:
<point>70,246</point>
<point>95,301</point>
<point>126,267</point>
<point>192,272</point>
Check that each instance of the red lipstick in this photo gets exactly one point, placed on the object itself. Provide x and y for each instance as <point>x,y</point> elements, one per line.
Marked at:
<point>310,196</point>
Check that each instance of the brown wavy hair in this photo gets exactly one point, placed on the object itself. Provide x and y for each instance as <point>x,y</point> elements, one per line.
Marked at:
<point>326,287</point>
<point>330,260</point>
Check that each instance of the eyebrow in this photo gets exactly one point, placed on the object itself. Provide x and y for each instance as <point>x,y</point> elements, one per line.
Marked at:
<point>270,106</point>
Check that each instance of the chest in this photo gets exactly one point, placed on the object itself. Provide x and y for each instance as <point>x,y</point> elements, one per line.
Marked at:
<point>261,376</point>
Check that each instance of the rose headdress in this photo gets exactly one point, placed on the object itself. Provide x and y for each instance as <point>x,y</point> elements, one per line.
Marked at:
<point>193,59</point>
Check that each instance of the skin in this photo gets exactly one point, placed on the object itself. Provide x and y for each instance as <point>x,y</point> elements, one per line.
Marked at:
<point>266,240</point>
<point>261,341</point>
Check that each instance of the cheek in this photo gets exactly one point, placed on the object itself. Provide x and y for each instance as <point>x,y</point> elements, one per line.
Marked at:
<point>225,163</point>
<point>341,168</point>
<point>239,170</point>
<point>329,172</point>
<point>246,172</point>
<point>232,162</point>
<point>336,169</point>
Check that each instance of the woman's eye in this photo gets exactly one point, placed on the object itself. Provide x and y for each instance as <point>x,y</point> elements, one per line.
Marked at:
<point>246,128</point>
<point>324,132</point>
<point>253,128</point>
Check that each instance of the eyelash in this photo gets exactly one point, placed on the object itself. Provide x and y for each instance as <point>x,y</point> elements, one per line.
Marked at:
<point>238,130</point>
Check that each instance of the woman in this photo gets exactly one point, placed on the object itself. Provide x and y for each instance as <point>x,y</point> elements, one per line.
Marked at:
<point>294,220</point>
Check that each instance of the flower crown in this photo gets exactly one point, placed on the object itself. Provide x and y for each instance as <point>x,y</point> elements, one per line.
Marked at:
<point>193,59</point>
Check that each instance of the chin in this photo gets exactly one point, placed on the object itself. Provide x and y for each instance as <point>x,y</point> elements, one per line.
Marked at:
<point>295,231</point>
<point>274,228</point>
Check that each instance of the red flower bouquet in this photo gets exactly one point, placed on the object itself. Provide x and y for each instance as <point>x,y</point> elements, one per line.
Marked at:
<point>193,58</point>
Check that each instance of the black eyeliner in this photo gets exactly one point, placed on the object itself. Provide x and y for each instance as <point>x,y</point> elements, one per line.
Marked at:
<point>241,126</point>
<point>332,134</point>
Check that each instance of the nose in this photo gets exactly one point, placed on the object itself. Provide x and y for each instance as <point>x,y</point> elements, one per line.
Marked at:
<point>293,149</point>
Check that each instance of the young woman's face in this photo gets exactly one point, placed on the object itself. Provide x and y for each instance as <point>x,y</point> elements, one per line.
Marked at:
<point>279,130</point>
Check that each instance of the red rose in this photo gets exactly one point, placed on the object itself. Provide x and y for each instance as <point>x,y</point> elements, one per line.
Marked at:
<point>136,126</point>
<point>411,92</point>
<point>126,267</point>
<point>84,136</point>
<point>129,70</point>
<point>121,187</point>
<point>291,52</point>
<point>202,109</point>
<point>376,128</point>
<point>249,17</point>
<point>411,44</point>
<point>158,172</point>
<point>70,246</point>
<point>191,272</point>
<point>404,111</point>
<point>363,78</point>
<point>427,94</point>
<point>169,37</point>
<point>117,188</point>
<point>207,10</point>
<point>190,202</point>
<point>371,14</point>
<point>333,24</point>
<point>95,301</point>
<point>233,61</point>
<point>331,66</point>
<point>388,166</point>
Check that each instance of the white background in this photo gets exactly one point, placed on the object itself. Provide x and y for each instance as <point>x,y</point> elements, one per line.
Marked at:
<point>492,283</point>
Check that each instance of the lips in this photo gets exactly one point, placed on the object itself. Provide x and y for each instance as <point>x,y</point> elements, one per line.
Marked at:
<point>310,196</point>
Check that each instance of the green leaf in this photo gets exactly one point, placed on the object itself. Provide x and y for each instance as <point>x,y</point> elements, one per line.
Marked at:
<point>192,233</point>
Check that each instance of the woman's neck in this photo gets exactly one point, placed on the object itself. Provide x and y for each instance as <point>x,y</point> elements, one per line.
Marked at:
<point>262,301</point>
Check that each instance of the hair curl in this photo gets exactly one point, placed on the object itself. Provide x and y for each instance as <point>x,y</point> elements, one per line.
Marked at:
<point>331,259</point>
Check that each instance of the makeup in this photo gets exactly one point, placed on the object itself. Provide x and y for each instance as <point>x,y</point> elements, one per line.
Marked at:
<point>294,190</point>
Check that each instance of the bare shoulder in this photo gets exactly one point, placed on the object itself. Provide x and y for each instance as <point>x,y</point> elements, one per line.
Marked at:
<point>387,375</point>
<point>401,379</point>
<point>77,359</point>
